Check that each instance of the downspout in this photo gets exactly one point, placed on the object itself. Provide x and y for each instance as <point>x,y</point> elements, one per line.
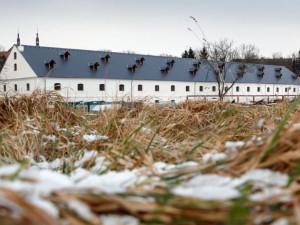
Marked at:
<point>131,90</point>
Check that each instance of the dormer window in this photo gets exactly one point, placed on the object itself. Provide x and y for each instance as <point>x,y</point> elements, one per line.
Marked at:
<point>242,66</point>
<point>295,76</point>
<point>197,64</point>
<point>260,74</point>
<point>65,55</point>
<point>171,62</point>
<point>50,63</point>
<point>194,71</point>
<point>140,60</point>
<point>132,68</point>
<point>165,70</point>
<point>94,66</point>
<point>241,70</point>
<point>278,73</point>
<point>221,66</point>
<point>261,68</point>
<point>105,58</point>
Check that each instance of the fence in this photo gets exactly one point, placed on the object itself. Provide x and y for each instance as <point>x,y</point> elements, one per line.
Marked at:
<point>244,98</point>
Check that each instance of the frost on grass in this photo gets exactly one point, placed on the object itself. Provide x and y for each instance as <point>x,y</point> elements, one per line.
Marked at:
<point>92,137</point>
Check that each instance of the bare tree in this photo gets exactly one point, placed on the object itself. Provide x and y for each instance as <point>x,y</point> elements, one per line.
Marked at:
<point>222,55</point>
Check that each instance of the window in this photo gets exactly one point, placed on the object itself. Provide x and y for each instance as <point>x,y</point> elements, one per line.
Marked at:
<point>294,89</point>
<point>157,88</point>
<point>248,89</point>
<point>187,88</point>
<point>57,86</point>
<point>226,89</point>
<point>102,87</point>
<point>268,89</point>
<point>277,89</point>
<point>4,88</point>
<point>286,90</point>
<point>258,89</point>
<point>213,88</point>
<point>15,67</point>
<point>16,87</point>
<point>80,87</point>
<point>15,55</point>
<point>156,101</point>
<point>140,87</point>
<point>28,87</point>
<point>201,88</point>
<point>121,87</point>
<point>237,88</point>
<point>172,87</point>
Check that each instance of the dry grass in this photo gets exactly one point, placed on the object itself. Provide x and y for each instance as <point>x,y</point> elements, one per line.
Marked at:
<point>141,136</point>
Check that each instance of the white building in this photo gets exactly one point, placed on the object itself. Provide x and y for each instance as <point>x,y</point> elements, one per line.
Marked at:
<point>83,75</point>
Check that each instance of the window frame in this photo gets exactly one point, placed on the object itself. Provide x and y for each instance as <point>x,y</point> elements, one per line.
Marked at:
<point>57,86</point>
<point>121,87</point>
<point>101,87</point>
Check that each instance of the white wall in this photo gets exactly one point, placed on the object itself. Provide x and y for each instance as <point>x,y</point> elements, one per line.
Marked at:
<point>23,68</point>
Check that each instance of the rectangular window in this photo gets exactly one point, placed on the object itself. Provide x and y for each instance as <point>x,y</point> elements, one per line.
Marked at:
<point>201,88</point>
<point>28,87</point>
<point>4,88</point>
<point>15,55</point>
<point>16,87</point>
<point>213,88</point>
<point>277,89</point>
<point>121,87</point>
<point>187,88</point>
<point>286,90</point>
<point>248,89</point>
<point>15,67</point>
<point>268,89</point>
<point>102,87</point>
<point>237,88</point>
<point>156,87</point>
<point>140,87</point>
<point>258,89</point>
<point>294,90</point>
<point>172,87</point>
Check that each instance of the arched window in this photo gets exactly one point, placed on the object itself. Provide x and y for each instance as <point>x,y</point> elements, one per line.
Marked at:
<point>201,88</point>
<point>80,87</point>
<point>16,87</point>
<point>28,87</point>
<point>140,87</point>
<point>213,88</point>
<point>15,55</point>
<point>268,89</point>
<point>102,87</point>
<point>248,89</point>
<point>172,87</point>
<point>187,88</point>
<point>294,89</point>
<point>237,88</point>
<point>156,87</point>
<point>57,86</point>
<point>277,89</point>
<point>4,87</point>
<point>121,87</point>
<point>15,67</point>
<point>258,89</point>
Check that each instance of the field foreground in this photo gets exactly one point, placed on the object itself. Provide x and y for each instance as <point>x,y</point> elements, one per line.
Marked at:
<point>197,163</point>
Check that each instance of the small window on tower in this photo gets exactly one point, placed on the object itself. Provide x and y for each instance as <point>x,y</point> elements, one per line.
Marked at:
<point>28,87</point>
<point>4,88</point>
<point>15,67</point>
<point>16,87</point>
<point>15,55</point>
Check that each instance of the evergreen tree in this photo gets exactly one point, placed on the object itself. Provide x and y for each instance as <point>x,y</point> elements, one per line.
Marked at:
<point>185,54</point>
<point>191,54</point>
<point>203,53</point>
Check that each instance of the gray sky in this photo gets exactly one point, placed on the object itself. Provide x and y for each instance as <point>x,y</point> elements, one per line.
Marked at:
<point>151,26</point>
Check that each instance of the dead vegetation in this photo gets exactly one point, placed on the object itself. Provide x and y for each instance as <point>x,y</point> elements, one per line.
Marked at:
<point>43,125</point>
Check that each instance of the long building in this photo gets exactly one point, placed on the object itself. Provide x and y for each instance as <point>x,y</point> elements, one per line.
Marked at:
<point>84,75</point>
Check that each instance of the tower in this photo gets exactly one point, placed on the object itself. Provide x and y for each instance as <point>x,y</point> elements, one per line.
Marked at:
<point>37,40</point>
<point>18,39</point>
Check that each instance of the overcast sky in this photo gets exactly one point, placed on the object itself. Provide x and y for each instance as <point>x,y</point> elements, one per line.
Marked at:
<point>151,26</point>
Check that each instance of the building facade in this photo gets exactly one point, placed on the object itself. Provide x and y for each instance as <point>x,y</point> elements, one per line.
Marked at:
<point>83,75</point>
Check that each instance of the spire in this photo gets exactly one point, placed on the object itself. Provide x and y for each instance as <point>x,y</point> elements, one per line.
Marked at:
<point>18,39</point>
<point>37,40</point>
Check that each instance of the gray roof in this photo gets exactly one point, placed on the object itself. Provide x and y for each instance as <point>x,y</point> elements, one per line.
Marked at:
<point>79,65</point>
